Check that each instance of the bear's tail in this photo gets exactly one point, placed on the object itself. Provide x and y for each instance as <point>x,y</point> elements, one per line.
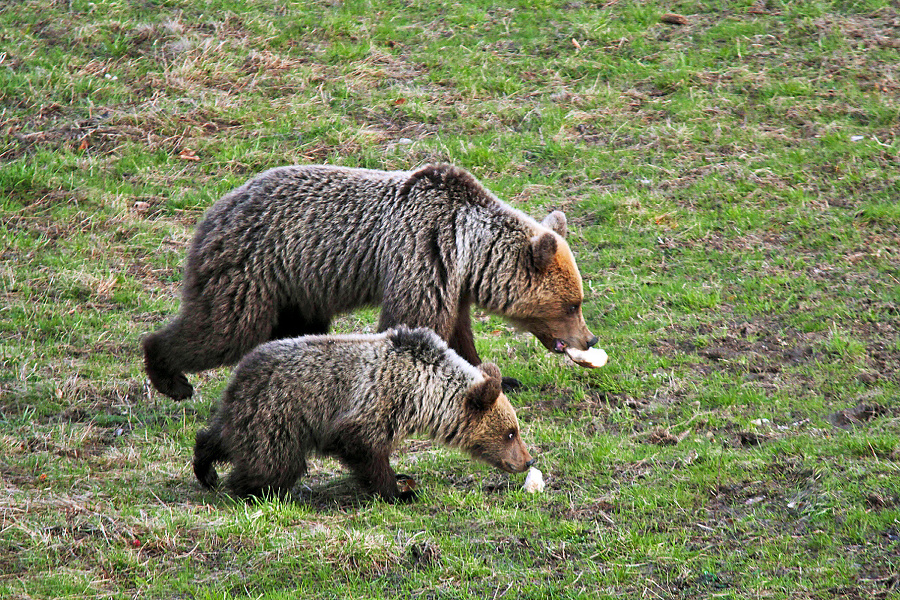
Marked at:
<point>208,450</point>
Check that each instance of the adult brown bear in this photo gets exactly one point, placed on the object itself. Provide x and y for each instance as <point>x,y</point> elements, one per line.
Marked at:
<point>284,253</point>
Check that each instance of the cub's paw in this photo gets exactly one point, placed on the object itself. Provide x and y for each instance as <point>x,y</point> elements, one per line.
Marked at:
<point>406,497</point>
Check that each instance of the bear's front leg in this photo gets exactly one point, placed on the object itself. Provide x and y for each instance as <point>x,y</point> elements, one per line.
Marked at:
<point>373,470</point>
<point>462,340</point>
<point>382,480</point>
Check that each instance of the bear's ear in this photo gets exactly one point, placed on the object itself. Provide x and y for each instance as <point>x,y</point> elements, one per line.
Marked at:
<point>490,370</point>
<point>482,396</point>
<point>557,222</point>
<point>543,249</point>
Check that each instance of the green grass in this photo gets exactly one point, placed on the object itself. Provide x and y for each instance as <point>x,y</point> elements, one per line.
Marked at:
<point>732,190</point>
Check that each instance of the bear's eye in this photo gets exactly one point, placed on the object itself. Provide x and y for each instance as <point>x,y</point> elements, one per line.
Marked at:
<point>572,309</point>
<point>511,435</point>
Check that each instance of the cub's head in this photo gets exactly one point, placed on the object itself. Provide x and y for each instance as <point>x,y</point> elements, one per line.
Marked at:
<point>550,308</point>
<point>491,433</point>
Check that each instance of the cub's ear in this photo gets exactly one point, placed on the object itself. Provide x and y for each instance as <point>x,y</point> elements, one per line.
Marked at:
<point>490,370</point>
<point>543,249</point>
<point>557,222</point>
<point>482,396</point>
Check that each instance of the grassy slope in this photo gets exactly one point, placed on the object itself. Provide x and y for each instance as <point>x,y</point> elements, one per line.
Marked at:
<point>732,190</point>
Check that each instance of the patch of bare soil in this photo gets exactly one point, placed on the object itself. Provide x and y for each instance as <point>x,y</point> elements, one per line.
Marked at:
<point>593,412</point>
<point>759,347</point>
<point>857,415</point>
<point>80,134</point>
<point>107,128</point>
<point>762,347</point>
<point>877,30</point>
<point>423,555</point>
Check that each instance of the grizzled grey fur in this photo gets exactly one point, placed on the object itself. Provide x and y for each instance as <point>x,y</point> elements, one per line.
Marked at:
<point>354,397</point>
<point>284,253</point>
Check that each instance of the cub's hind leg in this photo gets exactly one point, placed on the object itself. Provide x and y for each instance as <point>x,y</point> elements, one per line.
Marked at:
<point>208,449</point>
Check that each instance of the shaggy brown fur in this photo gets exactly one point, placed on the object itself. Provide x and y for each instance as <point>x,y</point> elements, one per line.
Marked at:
<point>287,251</point>
<point>354,397</point>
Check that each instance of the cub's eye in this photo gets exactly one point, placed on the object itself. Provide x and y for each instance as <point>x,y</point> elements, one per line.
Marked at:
<point>511,435</point>
<point>572,309</point>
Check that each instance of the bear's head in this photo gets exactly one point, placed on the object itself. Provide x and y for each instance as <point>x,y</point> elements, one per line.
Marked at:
<point>551,307</point>
<point>491,431</point>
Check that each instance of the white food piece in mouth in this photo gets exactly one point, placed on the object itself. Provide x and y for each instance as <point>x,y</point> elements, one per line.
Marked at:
<point>534,481</point>
<point>593,358</point>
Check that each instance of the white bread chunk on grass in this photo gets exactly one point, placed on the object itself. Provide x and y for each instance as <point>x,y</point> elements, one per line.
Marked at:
<point>534,481</point>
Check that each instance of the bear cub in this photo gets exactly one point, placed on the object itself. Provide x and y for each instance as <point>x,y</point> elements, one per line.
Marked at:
<point>354,397</point>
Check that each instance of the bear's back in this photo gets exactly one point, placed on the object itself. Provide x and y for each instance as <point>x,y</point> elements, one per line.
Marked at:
<point>325,375</point>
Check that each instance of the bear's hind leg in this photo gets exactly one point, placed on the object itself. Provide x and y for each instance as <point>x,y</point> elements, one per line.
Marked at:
<point>247,481</point>
<point>208,450</point>
<point>158,364</point>
<point>195,341</point>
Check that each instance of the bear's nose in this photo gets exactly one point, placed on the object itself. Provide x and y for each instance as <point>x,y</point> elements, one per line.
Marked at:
<point>530,462</point>
<point>593,341</point>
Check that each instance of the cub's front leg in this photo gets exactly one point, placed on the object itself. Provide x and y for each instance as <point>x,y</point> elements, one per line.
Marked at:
<point>372,468</point>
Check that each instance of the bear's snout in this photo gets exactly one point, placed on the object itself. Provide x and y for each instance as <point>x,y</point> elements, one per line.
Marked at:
<point>560,345</point>
<point>518,462</point>
<point>525,463</point>
<point>516,467</point>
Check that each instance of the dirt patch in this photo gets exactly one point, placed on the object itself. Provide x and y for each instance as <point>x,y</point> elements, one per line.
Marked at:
<point>763,348</point>
<point>598,511</point>
<point>663,437</point>
<point>594,412</point>
<point>758,347</point>
<point>108,128</point>
<point>747,439</point>
<point>424,555</point>
<point>858,415</point>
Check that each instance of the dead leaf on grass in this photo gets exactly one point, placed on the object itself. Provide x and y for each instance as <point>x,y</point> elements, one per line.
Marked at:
<point>673,19</point>
<point>188,154</point>
<point>105,286</point>
<point>758,8</point>
<point>406,483</point>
